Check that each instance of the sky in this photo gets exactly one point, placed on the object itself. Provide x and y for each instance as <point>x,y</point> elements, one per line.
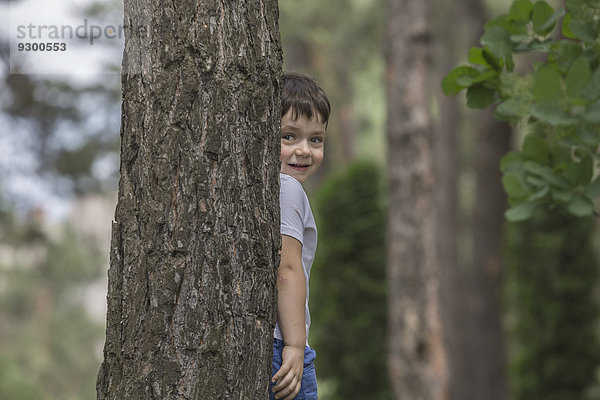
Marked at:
<point>81,42</point>
<point>89,44</point>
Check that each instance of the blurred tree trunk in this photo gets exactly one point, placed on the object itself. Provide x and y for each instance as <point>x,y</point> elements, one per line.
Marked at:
<point>484,355</point>
<point>345,115</point>
<point>417,355</point>
<point>481,369</point>
<point>194,244</point>
<point>447,157</point>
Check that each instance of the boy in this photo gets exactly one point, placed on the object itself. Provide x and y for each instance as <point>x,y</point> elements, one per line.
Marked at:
<point>305,112</point>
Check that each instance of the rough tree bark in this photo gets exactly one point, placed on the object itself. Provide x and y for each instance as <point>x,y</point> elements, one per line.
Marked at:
<point>417,356</point>
<point>191,299</point>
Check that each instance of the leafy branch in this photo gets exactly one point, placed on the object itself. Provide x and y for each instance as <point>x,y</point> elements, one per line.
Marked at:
<point>556,102</point>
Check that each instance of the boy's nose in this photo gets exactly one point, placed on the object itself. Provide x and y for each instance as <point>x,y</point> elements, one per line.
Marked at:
<point>303,149</point>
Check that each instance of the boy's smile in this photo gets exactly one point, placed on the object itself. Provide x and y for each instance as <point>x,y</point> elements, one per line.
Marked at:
<point>302,145</point>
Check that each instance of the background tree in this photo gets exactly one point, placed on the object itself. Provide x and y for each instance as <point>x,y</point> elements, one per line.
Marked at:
<point>472,288</point>
<point>417,358</point>
<point>448,162</point>
<point>194,250</point>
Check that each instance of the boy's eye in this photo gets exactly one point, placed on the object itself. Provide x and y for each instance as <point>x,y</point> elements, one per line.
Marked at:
<point>287,136</point>
<point>317,140</point>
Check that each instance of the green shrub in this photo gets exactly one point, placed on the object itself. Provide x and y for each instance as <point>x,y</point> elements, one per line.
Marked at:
<point>552,273</point>
<point>348,287</point>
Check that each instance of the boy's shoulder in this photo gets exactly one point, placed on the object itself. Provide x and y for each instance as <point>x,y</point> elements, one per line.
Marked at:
<point>289,181</point>
<point>291,190</point>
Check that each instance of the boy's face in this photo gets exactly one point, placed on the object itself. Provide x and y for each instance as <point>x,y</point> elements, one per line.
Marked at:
<point>302,145</point>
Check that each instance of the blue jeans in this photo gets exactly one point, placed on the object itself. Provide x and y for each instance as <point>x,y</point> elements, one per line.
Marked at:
<point>308,391</point>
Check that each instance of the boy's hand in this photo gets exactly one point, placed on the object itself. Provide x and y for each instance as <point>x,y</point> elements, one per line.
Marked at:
<point>289,376</point>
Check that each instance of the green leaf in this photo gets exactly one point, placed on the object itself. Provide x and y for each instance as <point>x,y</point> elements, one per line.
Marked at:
<point>497,40</point>
<point>563,52</point>
<point>592,90</point>
<point>510,64</point>
<point>535,45</point>
<point>514,186</point>
<point>561,195</point>
<point>580,173</point>
<point>450,84</point>
<point>535,148</point>
<point>593,189</point>
<point>479,96</point>
<point>586,133</point>
<point>511,108</point>
<point>546,173</point>
<point>566,31</point>
<point>476,56</point>
<point>520,212</point>
<point>551,22</point>
<point>535,181</point>
<point>540,194</point>
<point>534,168</point>
<point>581,206</point>
<point>578,77</point>
<point>522,38</point>
<point>553,115</point>
<point>584,30</point>
<point>520,10</point>
<point>543,18</point>
<point>470,80</point>
<point>511,161</point>
<point>560,153</point>
<point>512,27</point>
<point>547,87</point>
<point>569,49</point>
<point>464,81</point>
<point>485,76</point>
<point>493,61</point>
<point>592,114</point>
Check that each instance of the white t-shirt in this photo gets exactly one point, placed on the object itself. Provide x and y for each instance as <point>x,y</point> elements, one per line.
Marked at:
<point>298,222</point>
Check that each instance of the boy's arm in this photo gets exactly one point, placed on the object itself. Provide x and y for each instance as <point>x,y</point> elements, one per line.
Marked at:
<point>291,287</point>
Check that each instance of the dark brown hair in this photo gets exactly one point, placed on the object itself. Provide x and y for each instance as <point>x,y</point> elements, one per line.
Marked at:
<point>302,94</point>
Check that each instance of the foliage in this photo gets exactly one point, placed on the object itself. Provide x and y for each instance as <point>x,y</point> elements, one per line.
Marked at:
<point>49,344</point>
<point>15,383</point>
<point>69,129</point>
<point>557,102</point>
<point>348,300</point>
<point>551,276</point>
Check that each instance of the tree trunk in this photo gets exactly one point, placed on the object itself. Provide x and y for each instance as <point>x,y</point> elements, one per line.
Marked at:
<point>191,298</point>
<point>483,351</point>
<point>417,356</point>
<point>484,355</point>
<point>447,157</point>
